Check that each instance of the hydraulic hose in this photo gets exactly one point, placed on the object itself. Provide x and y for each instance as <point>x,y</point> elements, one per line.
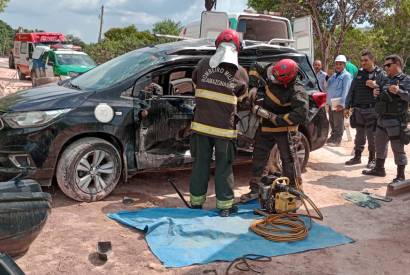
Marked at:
<point>287,227</point>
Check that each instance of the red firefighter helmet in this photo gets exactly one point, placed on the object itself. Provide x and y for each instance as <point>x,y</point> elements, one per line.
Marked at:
<point>285,71</point>
<point>228,35</point>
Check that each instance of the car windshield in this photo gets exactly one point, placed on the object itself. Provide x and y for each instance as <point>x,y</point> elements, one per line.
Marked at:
<point>117,69</point>
<point>74,59</point>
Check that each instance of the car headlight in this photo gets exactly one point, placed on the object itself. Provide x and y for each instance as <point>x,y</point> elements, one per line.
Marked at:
<point>32,119</point>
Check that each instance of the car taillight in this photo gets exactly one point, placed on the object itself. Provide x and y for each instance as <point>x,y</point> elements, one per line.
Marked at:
<point>319,98</point>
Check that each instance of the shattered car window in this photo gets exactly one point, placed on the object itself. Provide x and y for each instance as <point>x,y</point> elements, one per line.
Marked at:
<point>118,69</point>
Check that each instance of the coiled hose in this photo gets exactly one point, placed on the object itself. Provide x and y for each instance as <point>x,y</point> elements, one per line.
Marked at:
<point>286,227</point>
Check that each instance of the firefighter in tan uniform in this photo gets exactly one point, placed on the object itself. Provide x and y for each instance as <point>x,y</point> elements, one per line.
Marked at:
<point>220,81</point>
<point>283,106</point>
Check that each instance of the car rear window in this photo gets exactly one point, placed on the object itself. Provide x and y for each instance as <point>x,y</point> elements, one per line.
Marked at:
<point>262,29</point>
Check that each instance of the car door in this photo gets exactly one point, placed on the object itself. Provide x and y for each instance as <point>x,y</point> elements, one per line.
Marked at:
<point>163,127</point>
<point>49,62</point>
<point>303,36</point>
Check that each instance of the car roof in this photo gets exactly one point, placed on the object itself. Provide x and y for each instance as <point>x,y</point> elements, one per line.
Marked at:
<point>192,47</point>
<point>69,52</point>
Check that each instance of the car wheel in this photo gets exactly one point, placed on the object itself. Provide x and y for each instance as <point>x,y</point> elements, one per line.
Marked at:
<point>11,62</point>
<point>89,169</point>
<point>303,152</point>
<point>21,75</point>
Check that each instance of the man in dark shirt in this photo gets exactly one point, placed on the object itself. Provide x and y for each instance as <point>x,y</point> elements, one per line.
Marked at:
<point>362,101</point>
<point>392,106</point>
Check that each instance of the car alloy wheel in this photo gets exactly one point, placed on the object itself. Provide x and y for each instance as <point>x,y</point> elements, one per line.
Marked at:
<point>94,170</point>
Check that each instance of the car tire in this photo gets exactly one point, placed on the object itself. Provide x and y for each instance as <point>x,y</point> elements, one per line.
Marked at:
<point>11,62</point>
<point>21,75</point>
<point>303,152</point>
<point>89,169</point>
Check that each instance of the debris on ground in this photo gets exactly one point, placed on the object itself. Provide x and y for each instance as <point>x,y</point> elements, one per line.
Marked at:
<point>364,199</point>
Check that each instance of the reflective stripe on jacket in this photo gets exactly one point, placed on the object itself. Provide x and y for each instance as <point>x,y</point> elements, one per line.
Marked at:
<point>218,91</point>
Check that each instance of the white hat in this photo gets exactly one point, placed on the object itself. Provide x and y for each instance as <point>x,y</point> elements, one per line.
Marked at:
<point>225,53</point>
<point>341,58</point>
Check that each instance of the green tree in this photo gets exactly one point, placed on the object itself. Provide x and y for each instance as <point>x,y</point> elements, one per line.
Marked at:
<point>6,37</point>
<point>356,40</point>
<point>72,39</point>
<point>265,5</point>
<point>118,41</point>
<point>167,26</point>
<point>394,28</point>
<point>3,4</point>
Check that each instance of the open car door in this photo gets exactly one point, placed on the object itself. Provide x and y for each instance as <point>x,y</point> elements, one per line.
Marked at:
<point>212,23</point>
<point>303,35</point>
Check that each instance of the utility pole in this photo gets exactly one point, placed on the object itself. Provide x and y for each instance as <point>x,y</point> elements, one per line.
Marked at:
<point>101,23</point>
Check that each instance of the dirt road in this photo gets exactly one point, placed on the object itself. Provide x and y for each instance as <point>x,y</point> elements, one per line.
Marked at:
<point>9,82</point>
<point>382,246</point>
<point>382,236</point>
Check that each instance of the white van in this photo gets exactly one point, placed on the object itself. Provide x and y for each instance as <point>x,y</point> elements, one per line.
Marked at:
<point>254,27</point>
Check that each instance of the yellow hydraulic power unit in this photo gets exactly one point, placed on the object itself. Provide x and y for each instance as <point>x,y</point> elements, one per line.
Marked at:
<point>279,202</point>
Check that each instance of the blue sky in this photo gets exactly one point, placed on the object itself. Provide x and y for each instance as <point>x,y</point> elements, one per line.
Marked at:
<point>80,17</point>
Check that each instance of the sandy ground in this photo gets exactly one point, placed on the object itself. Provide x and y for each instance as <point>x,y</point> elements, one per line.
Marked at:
<point>9,82</point>
<point>382,236</point>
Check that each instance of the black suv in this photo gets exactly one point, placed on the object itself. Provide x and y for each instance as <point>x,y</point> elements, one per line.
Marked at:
<point>130,114</point>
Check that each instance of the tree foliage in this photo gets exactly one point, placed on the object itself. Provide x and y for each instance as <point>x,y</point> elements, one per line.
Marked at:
<point>394,30</point>
<point>72,39</point>
<point>167,26</point>
<point>6,38</point>
<point>118,41</point>
<point>3,4</point>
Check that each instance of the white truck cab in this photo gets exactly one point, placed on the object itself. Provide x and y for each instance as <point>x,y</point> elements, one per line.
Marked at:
<point>254,27</point>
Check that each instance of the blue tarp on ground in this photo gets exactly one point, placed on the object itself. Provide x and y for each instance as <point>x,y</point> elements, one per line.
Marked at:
<point>182,237</point>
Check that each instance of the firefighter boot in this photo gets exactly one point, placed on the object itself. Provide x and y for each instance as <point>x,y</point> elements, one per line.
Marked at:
<point>254,191</point>
<point>357,159</point>
<point>400,174</point>
<point>227,212</point>
<point>372,160</point>
<point>378,170</point>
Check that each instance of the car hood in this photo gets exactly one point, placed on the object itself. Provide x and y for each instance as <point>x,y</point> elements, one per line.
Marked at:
<point>50,97</point>
<point>65,69</point>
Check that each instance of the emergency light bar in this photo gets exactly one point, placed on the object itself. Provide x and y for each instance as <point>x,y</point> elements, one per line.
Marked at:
<point>65,47</point>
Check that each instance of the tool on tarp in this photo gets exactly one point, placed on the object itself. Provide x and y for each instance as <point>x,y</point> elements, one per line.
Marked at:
<point>279,202</point>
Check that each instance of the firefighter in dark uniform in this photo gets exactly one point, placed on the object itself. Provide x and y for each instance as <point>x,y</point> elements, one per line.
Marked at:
<point>220,82</point>
<point>364,116</point>
<point>284,106</point>
<point>392,104</point>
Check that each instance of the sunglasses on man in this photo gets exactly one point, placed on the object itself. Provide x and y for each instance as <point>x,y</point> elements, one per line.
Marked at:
<point>388,65</point>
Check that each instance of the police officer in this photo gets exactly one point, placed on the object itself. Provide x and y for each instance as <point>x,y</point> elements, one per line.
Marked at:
<point>392,103</point>
<point>364,116</point>
<point>284,106</point>
<point>220,81</point>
